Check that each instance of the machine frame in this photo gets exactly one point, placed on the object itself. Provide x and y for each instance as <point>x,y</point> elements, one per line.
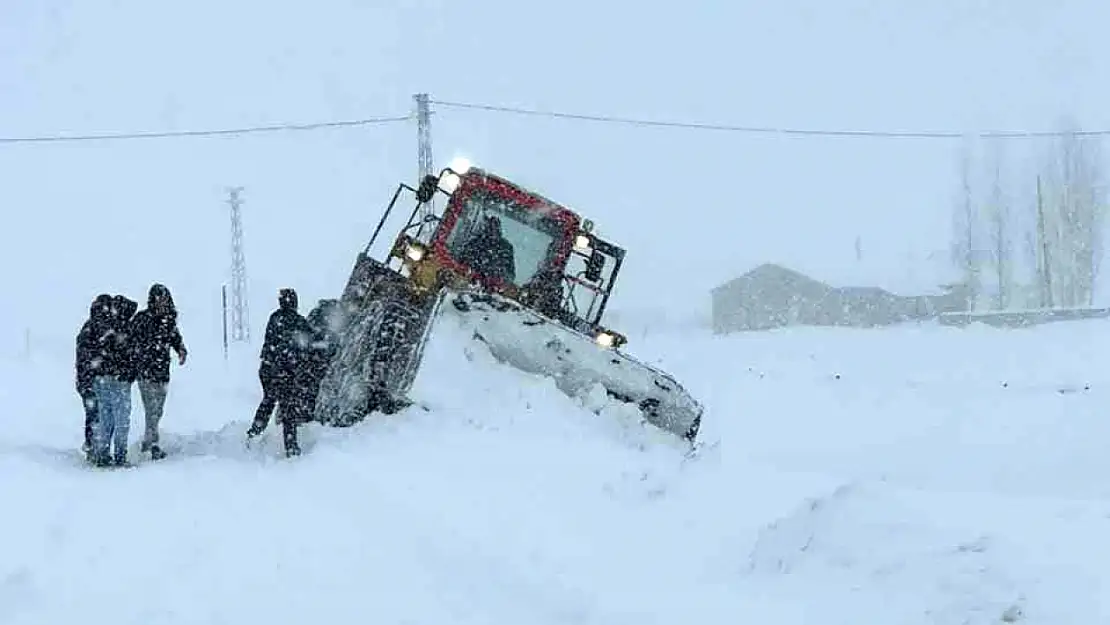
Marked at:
<point>420,254</point>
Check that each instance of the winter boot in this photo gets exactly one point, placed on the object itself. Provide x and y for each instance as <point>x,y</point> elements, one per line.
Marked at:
<point>289,436</point>
<point>86,448</point>
<point>156,452</point>
<point>256,428</point>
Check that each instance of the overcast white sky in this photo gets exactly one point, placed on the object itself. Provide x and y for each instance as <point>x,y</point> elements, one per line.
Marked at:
<point>693,208</point>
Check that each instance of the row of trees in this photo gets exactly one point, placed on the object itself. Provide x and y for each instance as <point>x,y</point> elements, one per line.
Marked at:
<point>1029,221</point>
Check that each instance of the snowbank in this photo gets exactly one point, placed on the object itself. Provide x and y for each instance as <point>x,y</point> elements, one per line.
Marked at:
<point>912,475</point>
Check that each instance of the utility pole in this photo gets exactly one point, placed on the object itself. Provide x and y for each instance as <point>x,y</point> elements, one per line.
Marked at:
<point>224,291</point>
<point>239,322</point>
<point>423,135</point>
<point>424,147</point>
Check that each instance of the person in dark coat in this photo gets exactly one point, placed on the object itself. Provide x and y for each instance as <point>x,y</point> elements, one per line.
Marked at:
<point>112,385</point>
<point>88,360</point>
<point>154,333</point>
<point>489,253</point>
<point>285,350</point>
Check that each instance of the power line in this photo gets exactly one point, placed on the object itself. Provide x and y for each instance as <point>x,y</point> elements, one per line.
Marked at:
<point>611,119</point>
<point>207,133</point>
<point>606,119</point>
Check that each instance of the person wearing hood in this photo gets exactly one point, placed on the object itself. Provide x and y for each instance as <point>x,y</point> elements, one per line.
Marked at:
<point>489,253</point>
<point>88,361</point>
<point>154,333</point>
<point>112,385</point>
<point>285,350</point>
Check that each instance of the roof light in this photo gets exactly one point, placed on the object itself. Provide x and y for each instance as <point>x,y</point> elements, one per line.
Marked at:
<point>460,165</point>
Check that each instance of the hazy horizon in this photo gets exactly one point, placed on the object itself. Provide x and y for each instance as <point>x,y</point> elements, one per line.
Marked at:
<point>694,208</point>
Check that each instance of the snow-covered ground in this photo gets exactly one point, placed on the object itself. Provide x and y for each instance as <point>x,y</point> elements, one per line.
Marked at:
<point>914,475</point>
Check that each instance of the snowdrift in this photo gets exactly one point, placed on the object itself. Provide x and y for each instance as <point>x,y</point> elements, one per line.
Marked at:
<point>913,475</point>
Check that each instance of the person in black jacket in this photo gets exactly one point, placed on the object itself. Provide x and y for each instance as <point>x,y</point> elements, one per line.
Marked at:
<point>489,253</point>
<point>154,333</point>
<point>112,385</point>
<point>87,361</point>
<point>285,350</point>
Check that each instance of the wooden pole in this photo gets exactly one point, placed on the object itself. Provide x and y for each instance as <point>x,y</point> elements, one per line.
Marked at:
<point>1046,265</point>
<point>225,320</point>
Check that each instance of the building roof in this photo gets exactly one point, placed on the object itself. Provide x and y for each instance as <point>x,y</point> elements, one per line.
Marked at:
<point>928,278</point>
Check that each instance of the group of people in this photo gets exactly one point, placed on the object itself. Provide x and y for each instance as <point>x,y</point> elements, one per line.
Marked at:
<point>118,347</point>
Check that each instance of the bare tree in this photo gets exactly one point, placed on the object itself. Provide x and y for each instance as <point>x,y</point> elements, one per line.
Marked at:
<point>1041,250</point>
<point>1074,197</point>
<point>966,226</point>
<point>999,217</point>
<point>1063,225</point>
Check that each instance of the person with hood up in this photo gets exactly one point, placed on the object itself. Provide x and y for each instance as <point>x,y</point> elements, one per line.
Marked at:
<point>285,350</point>
<point>489,253</point>
<point>88,361</point>
<point>154,332</point>
<point>112,385</point>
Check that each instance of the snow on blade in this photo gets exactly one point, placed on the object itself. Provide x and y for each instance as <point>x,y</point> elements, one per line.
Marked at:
<point>579,367</point>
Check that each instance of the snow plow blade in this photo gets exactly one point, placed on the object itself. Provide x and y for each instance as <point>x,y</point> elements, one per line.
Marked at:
<point>531,342</point>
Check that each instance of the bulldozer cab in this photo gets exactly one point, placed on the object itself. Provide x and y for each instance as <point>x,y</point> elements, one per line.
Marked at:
<point>510,241</point>
<point>502,237</point>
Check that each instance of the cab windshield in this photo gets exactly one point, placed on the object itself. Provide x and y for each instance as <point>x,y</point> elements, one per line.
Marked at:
<point>499,238</point>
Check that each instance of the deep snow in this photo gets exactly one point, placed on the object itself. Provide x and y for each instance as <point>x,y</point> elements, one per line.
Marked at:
<point>915,475</point>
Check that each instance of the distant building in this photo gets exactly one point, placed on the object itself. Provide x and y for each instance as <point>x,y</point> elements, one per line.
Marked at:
<point>772,296</point>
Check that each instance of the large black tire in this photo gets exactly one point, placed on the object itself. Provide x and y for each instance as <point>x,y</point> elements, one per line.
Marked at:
<point>376,362</point>
<point>343,398</point>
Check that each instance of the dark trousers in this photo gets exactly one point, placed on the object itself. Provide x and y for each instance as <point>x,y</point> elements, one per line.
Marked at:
<point>282,393</point>
<point>88,400</point>
<point>270,386</point>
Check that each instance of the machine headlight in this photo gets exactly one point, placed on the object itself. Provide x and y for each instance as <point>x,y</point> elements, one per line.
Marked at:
<point>414,252</point>
<point>610,339</point>
<point>460,165</point>
<point>449,182</point>
<point>582,243</point>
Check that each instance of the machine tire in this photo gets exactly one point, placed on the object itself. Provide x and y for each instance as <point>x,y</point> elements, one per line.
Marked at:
<point>375,364</point>
<point>344,398</point>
